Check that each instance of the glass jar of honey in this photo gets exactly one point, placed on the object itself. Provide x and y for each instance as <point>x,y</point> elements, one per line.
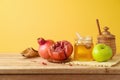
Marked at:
<point>83,49</point>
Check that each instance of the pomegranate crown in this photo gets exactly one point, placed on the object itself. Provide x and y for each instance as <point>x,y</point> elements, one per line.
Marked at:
<point>41,41</point>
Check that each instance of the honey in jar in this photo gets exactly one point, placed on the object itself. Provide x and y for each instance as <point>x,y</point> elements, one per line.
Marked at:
<point>83,49</point>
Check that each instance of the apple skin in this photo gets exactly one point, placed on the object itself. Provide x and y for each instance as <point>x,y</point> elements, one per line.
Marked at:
<point>102,52</point>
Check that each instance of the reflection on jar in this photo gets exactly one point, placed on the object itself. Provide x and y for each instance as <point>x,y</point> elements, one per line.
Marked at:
<point>83,49</point>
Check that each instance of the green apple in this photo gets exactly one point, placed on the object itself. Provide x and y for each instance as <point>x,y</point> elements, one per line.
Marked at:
<point>101,52</point>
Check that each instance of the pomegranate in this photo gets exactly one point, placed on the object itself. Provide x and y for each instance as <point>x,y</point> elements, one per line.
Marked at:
<point>61,50</point>
<point>44,45</point>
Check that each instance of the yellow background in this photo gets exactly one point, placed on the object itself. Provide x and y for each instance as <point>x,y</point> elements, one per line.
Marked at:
<point>23,21</point>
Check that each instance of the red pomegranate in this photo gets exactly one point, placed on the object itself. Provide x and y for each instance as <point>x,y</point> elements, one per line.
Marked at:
<point>61,50</point>
<point>44,45</point>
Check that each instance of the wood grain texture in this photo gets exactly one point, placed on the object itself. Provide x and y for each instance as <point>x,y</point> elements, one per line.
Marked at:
<point>60,77</point>
<point>16,67</point>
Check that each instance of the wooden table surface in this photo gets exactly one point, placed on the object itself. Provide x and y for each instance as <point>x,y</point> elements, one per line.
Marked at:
<point>15,67</point>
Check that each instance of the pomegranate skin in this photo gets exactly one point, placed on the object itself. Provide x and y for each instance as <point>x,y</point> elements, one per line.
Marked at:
<point>44,45</point>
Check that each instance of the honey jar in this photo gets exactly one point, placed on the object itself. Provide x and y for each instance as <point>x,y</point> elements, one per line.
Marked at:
<point>107,38</point>
<point>83,49</point>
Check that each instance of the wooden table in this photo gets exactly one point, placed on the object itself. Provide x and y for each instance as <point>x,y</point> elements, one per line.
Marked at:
<point>15,67</point>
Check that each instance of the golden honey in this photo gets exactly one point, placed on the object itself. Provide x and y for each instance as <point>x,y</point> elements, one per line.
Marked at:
<point>83,49</point>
